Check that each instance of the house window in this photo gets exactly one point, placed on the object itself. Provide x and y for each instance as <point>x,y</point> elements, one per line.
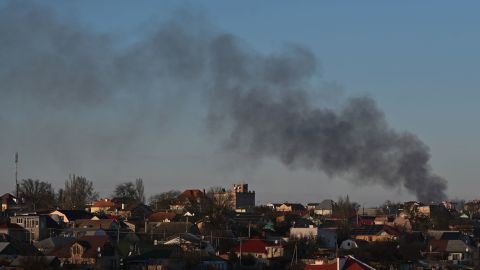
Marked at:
<point>76,250</point>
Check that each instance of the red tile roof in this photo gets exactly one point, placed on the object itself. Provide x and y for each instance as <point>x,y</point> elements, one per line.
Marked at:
<point>255,245</point>
<point>103,203</point>
<point>351,263</point>
<point>190,194</point>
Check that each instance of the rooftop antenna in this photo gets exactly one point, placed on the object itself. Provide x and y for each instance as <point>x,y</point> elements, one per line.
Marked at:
<point>16,174</point>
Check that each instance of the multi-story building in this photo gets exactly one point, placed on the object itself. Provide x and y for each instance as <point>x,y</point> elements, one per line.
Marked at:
<point>242,198</point>
<point>35,225</point>
<point>238,198</point>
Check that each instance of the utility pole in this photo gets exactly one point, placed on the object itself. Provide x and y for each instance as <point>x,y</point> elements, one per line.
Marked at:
<point>16,174</point>
<point>240,251</point>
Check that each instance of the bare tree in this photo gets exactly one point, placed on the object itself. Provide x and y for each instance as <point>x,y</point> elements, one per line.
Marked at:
<point>130,192</point>
<point>163,200</point>
<point>36,194</point>
<point>218,206</point>
<point>78,192</point>
<point>139,190</point>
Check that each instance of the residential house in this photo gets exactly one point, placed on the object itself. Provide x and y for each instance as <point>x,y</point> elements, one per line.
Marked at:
<point>273,206</point>
<point>259,248</point>
<point>89,250</point>
<point>365,220</point>
<point>190,198</point>
<point>312,206</point>
<point>105,224</point>
<point>375,233</point>
<point>290,207</point>
<point>325,208</point>
<point>166,230</point>
<point>157,257</point>
<point>212,262</point>
<point>102,206</point>
<point>304,232</point>
<point>450,250</point>
<point>48,245</point>
<point>384,220</point>
<point>139,210</point>
<point>159,217</point>
<point>38,226</point>
<point>42,262</point>
<point>68,216</point>
<point>8,201</point>
<point>14,232</point>
<point>191,243</point>
<point>345,263</point>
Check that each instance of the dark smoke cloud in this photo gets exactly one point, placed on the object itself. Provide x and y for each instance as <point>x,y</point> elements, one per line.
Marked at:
<point>72,81</point>
<point>264,104</point>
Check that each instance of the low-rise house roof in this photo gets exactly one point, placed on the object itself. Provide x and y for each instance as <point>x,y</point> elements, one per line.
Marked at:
<point>448,246</point>
<point>168,229</point>
<point>72,215</point>
<point>49,244</point>
<point>374,230</point>
<point>347,263</point>
<point>325,205</point>
<point>105,224</point>
<point>8,199</point>
<point>104,203</point>
<point>163,217</point>
<point>91,245</point>
<point>255,245</point>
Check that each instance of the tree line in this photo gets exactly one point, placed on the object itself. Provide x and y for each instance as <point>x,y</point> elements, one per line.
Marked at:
<point>77,193</point>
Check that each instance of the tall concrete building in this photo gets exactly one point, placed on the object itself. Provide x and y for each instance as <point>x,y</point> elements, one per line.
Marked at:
<point>243,199</point>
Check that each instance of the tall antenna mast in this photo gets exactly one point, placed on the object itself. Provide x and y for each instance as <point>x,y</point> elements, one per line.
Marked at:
<point>16,174</point>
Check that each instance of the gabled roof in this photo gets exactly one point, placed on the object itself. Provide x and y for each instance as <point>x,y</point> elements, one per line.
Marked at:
<point>295,206</point>
<point>90,244</point>
<point>347,263</point>
<point>53,242</point>
<point>161,216</point>
<point>75,214</point>
<point>255,245</point>
<point>103,203</point>
<point>95,224</point>
<point>174,228</point>
<point>374,230</point>
<point>448,246</point>
<point>8,198</point>
<point>325,205</point>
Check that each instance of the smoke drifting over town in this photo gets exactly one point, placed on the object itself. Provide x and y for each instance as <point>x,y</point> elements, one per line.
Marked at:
<point>258,104</point>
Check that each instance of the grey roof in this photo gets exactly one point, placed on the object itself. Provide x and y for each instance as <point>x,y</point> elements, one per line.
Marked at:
<point>53,242</point>
<point>47,259</point>
<point>456,246</point>
<point>3,245</point>
<point>173,228</point>
<point>325,205</point>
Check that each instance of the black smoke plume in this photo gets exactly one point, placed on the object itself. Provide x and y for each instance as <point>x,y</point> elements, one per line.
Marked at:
<point>63,71</point>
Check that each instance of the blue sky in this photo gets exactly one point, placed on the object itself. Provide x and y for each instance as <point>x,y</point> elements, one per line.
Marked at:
<point>418,59</point>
